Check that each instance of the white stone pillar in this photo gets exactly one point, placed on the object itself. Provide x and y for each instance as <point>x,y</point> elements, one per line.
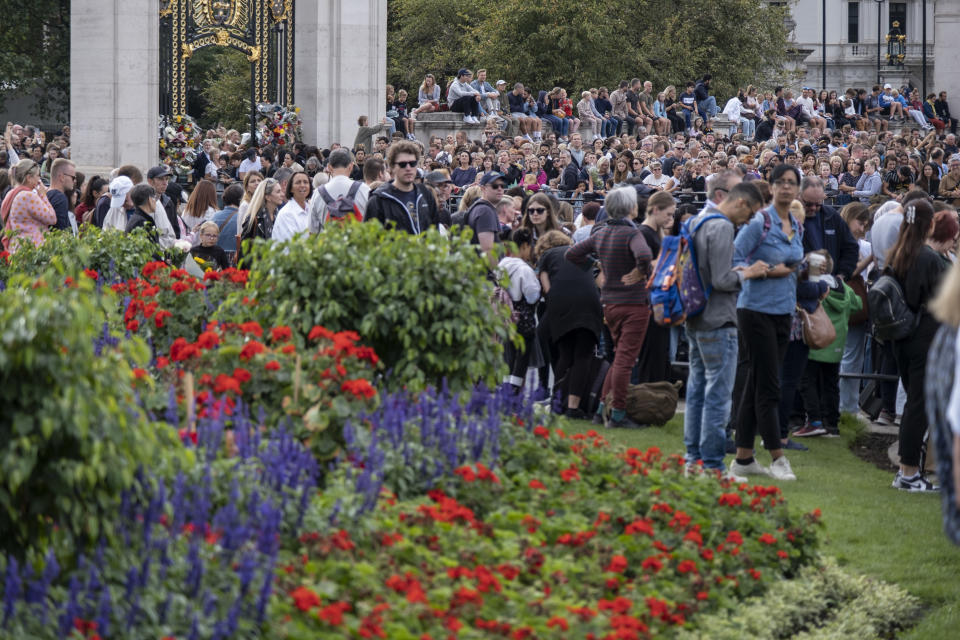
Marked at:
<point>946,55</point>
<point>340,67</point>
<point>114,83</point>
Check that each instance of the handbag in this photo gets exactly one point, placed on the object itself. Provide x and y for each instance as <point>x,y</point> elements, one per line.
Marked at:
<point>818,330</point>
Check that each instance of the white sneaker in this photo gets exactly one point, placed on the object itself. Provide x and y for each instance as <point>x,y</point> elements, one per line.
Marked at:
<point>752,469</point>
<point>727,474</point>
<point>467,120</point>
<point>475,119</point>
<point>780,469</point>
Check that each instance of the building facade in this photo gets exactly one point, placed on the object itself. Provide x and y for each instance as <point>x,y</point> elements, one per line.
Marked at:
<point>850,42</point>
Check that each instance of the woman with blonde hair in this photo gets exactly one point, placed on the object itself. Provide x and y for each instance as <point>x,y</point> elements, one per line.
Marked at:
<point>250,183</point>
<point>428,96</point>
<point>26,211</point>
<point>257,221</point>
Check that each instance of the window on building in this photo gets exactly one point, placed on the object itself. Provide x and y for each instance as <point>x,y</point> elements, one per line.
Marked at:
<point>898,14</point>
<point>853,22</point>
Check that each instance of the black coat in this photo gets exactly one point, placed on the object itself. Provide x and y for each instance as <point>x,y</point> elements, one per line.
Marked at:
<point>827,230</point>
<point>200,166</point>
<point>384,205</point>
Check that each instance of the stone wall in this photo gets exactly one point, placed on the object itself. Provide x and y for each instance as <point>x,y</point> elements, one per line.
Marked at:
<point>114,83</point>
<point>340,69</point>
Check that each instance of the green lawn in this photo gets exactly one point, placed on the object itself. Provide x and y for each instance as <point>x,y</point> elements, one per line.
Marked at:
<point>869,527</point>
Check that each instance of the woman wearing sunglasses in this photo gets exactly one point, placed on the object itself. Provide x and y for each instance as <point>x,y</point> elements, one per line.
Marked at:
<point>539,216</point>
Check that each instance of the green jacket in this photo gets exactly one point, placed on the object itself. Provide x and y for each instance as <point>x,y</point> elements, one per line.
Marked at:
<point>838,305</point>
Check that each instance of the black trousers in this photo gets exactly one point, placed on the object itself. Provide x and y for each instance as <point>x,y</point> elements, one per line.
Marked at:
<point>765,337</point>
<point>821,392</point>
<point>887,366</point>
<point>467,105</point>
<point>653,365</point>
<point>575,351</point>
<point>791,375</point>
<point>911,355</point>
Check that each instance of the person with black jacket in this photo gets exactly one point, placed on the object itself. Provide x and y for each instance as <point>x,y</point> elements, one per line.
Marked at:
<point>143,197</point>
<point>919,270</point>
<point>765,129</point>
<point>402,204</point>
<point>824,228</point>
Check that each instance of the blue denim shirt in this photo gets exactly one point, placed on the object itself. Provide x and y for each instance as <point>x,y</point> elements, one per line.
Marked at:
<point>770,295</point>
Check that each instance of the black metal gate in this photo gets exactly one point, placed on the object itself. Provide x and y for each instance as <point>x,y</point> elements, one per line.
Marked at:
<point>261,29</point>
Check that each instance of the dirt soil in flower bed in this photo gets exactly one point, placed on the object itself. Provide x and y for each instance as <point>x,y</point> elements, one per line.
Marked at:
<point>872,448</point>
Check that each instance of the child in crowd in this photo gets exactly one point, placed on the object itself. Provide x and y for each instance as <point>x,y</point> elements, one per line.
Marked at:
<point>821,379</point>
<point>213,256</point>
<point>524,291</point>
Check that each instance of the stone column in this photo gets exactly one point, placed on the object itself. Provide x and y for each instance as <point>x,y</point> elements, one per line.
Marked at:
<point>340,69</point>
<point>114,83</point>
<point>946,55</point>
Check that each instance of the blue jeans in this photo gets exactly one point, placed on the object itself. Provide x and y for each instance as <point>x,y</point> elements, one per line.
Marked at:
<point>559,126</point>
<point>609,127</point>
<point>713,358</point>
<point>749,127</point>
<point>854,354</point>
<point>708,108</point>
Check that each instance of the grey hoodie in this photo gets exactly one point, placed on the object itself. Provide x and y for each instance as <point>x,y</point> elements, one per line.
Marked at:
<point>713,243</point>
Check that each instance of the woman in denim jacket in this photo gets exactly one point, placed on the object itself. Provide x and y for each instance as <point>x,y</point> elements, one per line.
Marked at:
<point>764,311</point>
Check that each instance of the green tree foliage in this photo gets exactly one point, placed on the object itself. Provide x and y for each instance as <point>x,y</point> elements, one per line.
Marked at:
<point>579,45</point>
<point>35,41</point>
<point>223,83</point>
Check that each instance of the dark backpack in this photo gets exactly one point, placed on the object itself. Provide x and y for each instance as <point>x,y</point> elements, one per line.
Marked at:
<point>339,209</point>
<point>892,318</point>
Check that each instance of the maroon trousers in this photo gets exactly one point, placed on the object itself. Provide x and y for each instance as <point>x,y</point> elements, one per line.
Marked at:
<point>628,325</point>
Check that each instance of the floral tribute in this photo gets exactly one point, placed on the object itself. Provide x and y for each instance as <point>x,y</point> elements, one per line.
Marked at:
<point>179,140</point>
<point>625,548</point>
<point>278,125</point>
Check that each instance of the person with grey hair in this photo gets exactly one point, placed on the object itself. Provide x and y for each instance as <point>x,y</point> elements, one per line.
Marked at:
<point>623,257</point>
<point>340,193</point>
<point>720,184</point>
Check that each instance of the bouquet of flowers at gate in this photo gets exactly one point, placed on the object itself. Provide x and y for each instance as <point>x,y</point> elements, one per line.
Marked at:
<point>179,140</point>
<point>279,125</point>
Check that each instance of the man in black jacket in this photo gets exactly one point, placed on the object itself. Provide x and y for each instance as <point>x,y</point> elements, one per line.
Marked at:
<point>204,157</point>
<point>823,228</point>
<point>942,109</point>
<point>402,204</point>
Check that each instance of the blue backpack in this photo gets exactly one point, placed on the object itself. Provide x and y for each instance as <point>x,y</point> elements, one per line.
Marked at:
<point>676,289</point>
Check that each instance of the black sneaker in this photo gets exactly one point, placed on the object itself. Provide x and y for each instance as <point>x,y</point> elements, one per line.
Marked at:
<point>597,418</point>
<point>576,414</point>
<point>914,484</point>
<point>793,445</point>
<point>625,423</point>
<point>832,432</point>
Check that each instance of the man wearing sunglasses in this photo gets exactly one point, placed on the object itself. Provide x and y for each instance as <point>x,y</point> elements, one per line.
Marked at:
<point>402,204</point>
<point>63,178</point>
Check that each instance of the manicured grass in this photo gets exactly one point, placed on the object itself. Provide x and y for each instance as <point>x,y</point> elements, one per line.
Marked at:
<point>869,527</point>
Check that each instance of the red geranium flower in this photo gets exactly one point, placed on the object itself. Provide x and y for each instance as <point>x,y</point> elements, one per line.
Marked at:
<point>251,349</point>
<point>332,614</point>
<point>305,599</point>
<point>90,273</point>
<point>133,325</point>
<point>161,316</point>
<point>208,340</point>
<point>242,375</point>
<point>224,383</point>
<point>252,327</point>
<point>536,484</point>
<point>273,365</point>
<point>280,334</point>
<point>768,539</point>
<point>618,564</point>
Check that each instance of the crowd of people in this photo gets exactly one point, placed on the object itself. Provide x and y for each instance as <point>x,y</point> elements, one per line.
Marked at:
<point>798,210</point>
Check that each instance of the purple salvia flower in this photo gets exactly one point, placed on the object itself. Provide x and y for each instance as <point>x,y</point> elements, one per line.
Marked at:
<point>12,587</point>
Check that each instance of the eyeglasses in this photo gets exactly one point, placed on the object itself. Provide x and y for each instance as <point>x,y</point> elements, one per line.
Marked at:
<point>536,210</point>
<point>70,175</point>
<point>497,185</point>
<point>406,165</point>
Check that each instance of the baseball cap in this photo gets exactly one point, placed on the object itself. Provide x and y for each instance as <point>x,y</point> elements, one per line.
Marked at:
<point>159,171</point>
<point>887,86</point>
<point>437,177</point>
<point>119,188</point>
<point>500,82</point>
<point>489,177</point>
<point>463,72</point>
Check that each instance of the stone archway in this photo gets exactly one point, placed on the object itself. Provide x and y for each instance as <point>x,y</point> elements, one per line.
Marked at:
<point>337,71</point>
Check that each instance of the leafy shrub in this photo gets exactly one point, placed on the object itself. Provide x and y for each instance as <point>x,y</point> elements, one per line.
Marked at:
<point>166,303</point>
<point>313,391</point>
<point>422,303</point>
<point>71,434</point>
<point>567,537</point>
<point>112,254</point>
<point>194,557</point>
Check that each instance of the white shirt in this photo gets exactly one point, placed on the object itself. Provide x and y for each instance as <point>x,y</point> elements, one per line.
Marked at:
<point>732,109</point>
<point>291,220</point>
<point>654,182</point>
<point>246,166</point>
<point>338,187</point>
<point>807,105</point>
<point>523,280</point>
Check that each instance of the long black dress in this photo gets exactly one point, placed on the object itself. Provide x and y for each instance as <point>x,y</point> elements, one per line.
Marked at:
<point>653,364</point>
